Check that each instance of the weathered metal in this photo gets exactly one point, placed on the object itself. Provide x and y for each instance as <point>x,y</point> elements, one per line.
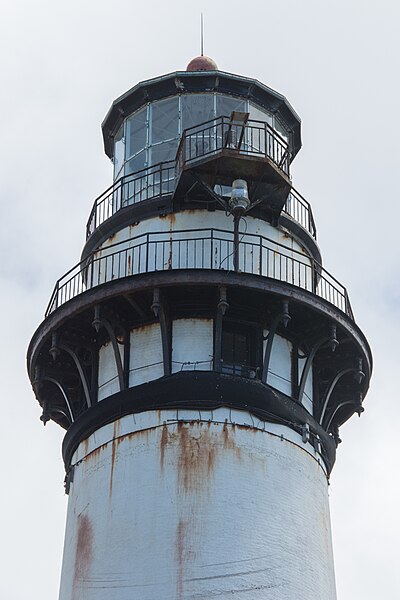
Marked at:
<point>179,504</point>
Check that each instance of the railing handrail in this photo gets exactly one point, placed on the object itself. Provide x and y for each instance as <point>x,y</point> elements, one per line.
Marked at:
<point>124,180</point>
<point>223,120</point>
<point>196,230</point>
<point>118,185</point>
<point>226,119</point>
<point>316,271</point>
<point>308,225</point>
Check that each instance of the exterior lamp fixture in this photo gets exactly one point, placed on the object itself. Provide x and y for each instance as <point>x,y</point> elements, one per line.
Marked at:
<point>238,204</point>
<point>239,200</point>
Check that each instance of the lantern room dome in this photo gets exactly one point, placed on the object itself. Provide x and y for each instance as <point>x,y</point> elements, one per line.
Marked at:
<point>202,63</point>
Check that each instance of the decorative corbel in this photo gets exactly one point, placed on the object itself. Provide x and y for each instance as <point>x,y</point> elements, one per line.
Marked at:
<point>358,375</point>
<point>54,352</point>
<point>358,409</point>
<point>37,383</point>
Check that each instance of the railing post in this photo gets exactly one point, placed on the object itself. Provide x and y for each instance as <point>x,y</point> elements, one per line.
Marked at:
<point>260,262</point>
<point>91,271</point>
<point>147,252</point>
<point>266,140</point>
<point>57,294</point>
<point>236,220</point>
<point>212,248</point>
<point>314,277</point>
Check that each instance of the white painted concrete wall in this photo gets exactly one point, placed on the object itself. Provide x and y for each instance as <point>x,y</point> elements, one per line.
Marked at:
<point>146,359</point>
<point>165,249</point>
<point>108,374</point>
<point>308,390</point>
<point>197,219</point>
<point>192,349</point>
<point>280,366</point>
<point>226,507</point>
<point>192,345</point>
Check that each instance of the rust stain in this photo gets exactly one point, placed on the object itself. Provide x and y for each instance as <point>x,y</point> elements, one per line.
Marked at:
<point>197,454</point>
<point>163,443</point>
<point>229,442</point>
<point>97,451</point>
<point>172,218</point>
<point>116,427</point>
<point>85,445</point>
<point>83,554</point>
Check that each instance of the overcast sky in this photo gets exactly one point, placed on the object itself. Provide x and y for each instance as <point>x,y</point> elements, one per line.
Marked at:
<point>61,66</point>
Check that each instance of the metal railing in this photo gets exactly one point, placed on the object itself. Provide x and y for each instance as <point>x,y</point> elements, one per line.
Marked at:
<point>199,249</point>
<point>300,210</point>
<point>253,138</point>
<point>158,181</point>
<point>154,182</point>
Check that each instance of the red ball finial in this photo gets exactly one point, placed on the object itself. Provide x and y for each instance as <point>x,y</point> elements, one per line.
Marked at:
<point>202,63</point>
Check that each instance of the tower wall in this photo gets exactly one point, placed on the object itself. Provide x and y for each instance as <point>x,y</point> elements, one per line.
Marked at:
<point>192,220</point>
<point>209,504</point>
<point>192,342</point>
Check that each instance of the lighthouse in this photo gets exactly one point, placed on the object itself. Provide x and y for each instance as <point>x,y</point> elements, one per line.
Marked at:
<point>199,356</point>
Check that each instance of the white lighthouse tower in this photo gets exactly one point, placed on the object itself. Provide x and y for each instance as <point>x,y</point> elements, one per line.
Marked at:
<point>199,356</point>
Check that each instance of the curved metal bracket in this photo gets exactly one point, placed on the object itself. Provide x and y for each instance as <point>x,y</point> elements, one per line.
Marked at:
<point>333,343</point>
<point>159,310</point>
<point>330,389</point>
<point>54,351</point>
<point>285,318</point>
<point>336,410</point>
<point>222,307</point>
<point>97,323</point>
<point>63,392</point>
<point>307,366</point>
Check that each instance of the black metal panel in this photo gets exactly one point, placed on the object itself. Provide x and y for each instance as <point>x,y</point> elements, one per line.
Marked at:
<point>241,282</point>
<point>199,391</point>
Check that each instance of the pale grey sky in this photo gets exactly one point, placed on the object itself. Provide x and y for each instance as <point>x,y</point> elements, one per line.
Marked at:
<point>61,66</point>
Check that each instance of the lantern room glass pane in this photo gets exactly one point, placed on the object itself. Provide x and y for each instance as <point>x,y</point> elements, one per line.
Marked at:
<point>137,163</point>
<point>119,151</point>
<point>163,152</point>
<point>257,114</point>
<point>280,129</point>
<point>196,109</point>
<point>136,133</point>
<point>226,105</point>
<point>165,120</point>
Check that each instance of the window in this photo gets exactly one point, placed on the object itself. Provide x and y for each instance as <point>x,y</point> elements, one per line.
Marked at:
<point>241,350</point>
<point>151,134</point>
